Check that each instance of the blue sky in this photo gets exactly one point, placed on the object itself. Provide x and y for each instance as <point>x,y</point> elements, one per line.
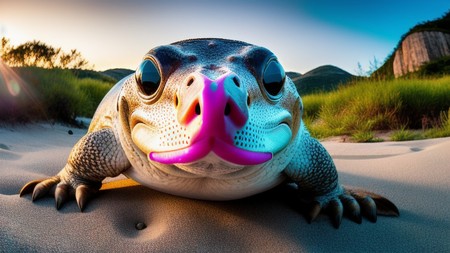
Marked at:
<point>304,34</point>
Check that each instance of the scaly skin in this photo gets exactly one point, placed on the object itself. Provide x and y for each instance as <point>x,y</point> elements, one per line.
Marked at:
<point>209,119</point>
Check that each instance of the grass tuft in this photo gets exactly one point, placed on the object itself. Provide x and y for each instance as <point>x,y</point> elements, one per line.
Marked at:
<point>405,135</point>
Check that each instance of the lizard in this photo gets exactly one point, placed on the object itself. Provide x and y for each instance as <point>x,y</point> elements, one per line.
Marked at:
<point>213,119</point>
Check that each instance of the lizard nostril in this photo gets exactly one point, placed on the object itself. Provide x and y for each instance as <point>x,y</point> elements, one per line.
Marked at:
<point>236,81</point>
<point>198,110</point>
<point>190,81</point>
<point>176,101</point>
<point>227,109</point>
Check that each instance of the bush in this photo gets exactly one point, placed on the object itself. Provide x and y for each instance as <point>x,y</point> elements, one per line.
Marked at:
<point>94,91</point>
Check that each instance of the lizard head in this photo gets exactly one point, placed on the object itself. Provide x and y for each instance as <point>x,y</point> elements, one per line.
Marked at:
<point>210,108</point>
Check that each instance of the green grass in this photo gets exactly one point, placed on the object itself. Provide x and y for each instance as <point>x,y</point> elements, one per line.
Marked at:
<point>366,106</point>
<point>406,135</point>
<point>365,136</point>
<point>51,94</point>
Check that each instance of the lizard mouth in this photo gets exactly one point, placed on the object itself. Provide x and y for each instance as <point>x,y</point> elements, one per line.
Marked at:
<point>147,138</point>
<point>202,148</point>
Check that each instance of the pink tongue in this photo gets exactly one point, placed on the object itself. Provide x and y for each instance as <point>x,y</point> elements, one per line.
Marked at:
<point>201,148</point>
<point>240,156</point>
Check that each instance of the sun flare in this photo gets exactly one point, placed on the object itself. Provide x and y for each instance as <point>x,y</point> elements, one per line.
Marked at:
<point>10,79</point>
<point>16,95</point>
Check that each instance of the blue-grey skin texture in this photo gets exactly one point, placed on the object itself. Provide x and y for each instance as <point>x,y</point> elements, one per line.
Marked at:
<point>145,113</point>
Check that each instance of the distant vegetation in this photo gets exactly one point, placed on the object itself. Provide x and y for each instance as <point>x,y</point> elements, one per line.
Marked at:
<point>363,107</point>
<point>435,68</point>
<point>38,54</point>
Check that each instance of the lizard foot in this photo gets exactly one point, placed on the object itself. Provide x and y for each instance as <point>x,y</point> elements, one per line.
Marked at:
<point>61,190</point>
<point>353,203</point>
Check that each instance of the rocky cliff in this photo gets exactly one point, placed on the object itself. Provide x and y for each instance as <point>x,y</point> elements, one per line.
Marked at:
<point>419,48</point>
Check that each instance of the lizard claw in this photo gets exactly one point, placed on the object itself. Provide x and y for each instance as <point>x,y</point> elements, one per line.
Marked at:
<point>336,211</point>
<point>314,211</point>
<point>83,194</point>
<point>29,187</point>
<point>63,191</point>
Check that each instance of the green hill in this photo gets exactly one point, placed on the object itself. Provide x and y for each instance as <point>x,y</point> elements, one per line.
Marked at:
<point>117,74</point>
<point>323,78</point>
<point>110,75</point>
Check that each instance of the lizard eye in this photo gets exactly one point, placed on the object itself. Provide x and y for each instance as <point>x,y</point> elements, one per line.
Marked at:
<point>148,77</point>
<point>273,79</point>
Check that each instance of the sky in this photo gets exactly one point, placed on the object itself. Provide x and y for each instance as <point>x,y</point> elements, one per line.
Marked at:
<point>304,34</point>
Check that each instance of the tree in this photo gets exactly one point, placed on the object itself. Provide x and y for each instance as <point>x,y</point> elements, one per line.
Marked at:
<point>5,45</point>
<point>72,60</point>
<point>359,70</point>
<point>38,54</point>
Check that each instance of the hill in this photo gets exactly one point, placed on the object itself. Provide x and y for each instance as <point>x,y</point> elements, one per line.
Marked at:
<point>117,74</point>
<point>323,78</point>
<point>110,75</point>
<point>293,75</point>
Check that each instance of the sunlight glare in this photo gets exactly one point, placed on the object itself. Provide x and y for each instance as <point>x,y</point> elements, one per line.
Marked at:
<point>15,92</point>
<point>10,79</point>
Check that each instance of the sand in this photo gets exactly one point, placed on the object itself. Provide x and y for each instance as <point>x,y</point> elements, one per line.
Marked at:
<point>414,175</point>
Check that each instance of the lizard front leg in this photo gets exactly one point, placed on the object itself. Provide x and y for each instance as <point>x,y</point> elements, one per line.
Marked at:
<point>314,172</point>
<point>95,156</point>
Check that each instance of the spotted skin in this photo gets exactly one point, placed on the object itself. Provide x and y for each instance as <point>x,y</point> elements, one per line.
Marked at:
<point>209,119</point>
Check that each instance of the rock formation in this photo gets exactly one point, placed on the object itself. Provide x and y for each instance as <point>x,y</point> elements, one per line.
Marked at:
<point>419,48</point>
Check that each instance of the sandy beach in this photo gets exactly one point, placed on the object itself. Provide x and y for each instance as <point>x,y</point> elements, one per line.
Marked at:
<point>414,175</point>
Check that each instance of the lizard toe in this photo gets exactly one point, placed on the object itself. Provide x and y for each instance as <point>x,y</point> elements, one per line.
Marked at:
<point>44,187</point>
<point>29,187</point>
